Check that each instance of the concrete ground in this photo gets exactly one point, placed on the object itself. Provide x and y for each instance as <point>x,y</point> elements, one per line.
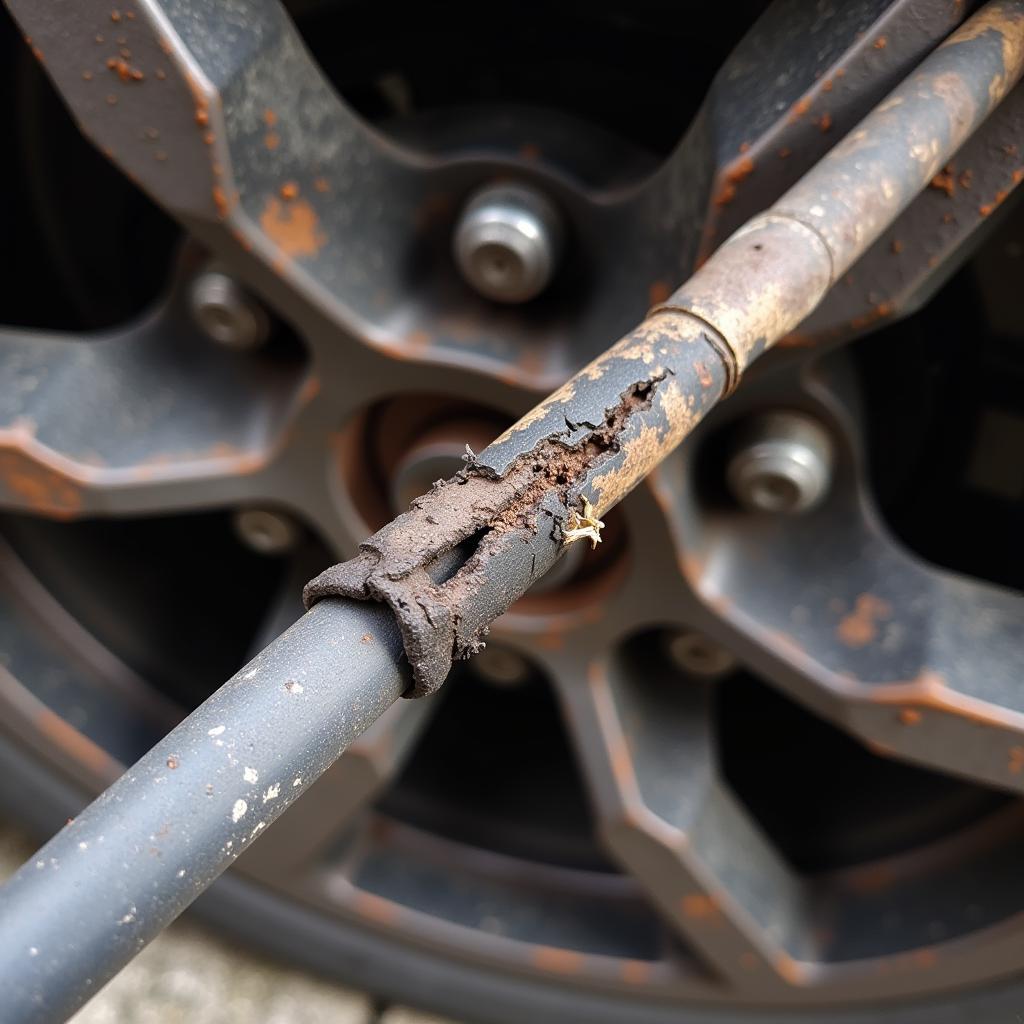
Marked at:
<point>189,975</point>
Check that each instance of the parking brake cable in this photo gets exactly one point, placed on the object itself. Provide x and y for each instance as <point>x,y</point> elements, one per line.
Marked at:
<point>424,589</point>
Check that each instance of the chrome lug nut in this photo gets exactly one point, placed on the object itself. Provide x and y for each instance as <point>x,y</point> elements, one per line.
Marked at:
<point>782,463</point>
<point>266,532</point>
<point>227,313</point>
<point>507,242</point>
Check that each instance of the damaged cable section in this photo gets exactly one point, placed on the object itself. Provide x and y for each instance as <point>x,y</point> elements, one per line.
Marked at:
<point>592,441</point>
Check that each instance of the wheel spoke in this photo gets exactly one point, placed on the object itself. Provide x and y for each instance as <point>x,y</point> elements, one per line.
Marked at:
<point>917,661</point>
<point>647,750</point>
<point>141,420</point>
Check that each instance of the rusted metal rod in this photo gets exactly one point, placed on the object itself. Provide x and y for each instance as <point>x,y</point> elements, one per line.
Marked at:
<point>127,866</point>
<point>593,440</point>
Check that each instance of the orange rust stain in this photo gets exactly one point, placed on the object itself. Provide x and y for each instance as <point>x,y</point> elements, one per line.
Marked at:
<point>87,75</point>
<point>42,489</point>
<point>115,16</point>
<point>1016,764</point>
<point>704,375</point>
<point>739,170</point>
<point>559,961</point>
<point>220,200</point>
<point>840,72</point>
<point>699,906</point>
<point>293,227</point>
<point>726,194</point>
<point>658,293</point>
<point>202,117</point>
<point>636,972</point>
<point>271,140</point>
<point>321,185</point>
<point>208,138</point>
<point>172,762</point>
<point>910,716</point>
<point>76,745</point>
<point>269,118</point>
<point>789,969</point>
<point>826,86</point>
<point>859,627</point>
<point>744,146</point>
<point>944,182</point>
<point>289,190</point>
<point>880,43</point>
<point>965,179</point>
<point>124,70</point>
<point>366,638</point>
<point>824,122</point>
<point>530,151</point>
<point>800,108</point>
<point>896,246</point>
<point>985,209</point>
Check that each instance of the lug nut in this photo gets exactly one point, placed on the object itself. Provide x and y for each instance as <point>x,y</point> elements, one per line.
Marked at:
<point>782,463</point>
<point>266,532</point>
<point>507,242</point>
<point>697,655</point>
<point>501,667</point>
<point>227,313</point>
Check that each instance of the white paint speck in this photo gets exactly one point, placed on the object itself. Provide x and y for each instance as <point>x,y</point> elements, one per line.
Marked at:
<point>251,775</point>
<point>40,864</point>
<point>293,687</point>
<point>216,730</point>
<point>259,828</point>
<point>181,873</point>
<point>231,843</point>
<point>251,674</point>
<point>297,781</point>
<point>129,917</point>
<point>83,846</point>
<point>238,810</point>
<point>817,211</point>
<point>272,792</point>
<point>33,951</point>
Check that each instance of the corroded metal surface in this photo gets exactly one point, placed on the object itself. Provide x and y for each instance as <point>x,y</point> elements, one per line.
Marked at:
<point>604,430</point>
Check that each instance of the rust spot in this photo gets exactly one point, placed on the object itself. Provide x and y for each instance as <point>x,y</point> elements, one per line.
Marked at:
<point>824,122</point>
<point>880,43</point>
<point>208,138</point>
<point>658,293</point>
<point>172,762</point>
<point>800,108</point>
<point>269,118</point>
<point>896,246</point>
<point>944,182</point>
<point>704,375</point>
<point>925,958</point>
<point>321,185</point>
<point>910,716</point>
<point>739,170</point>
<point>744,146</point>
<point>202,117</point>
<point>826,86</point>
<point>965,179</point>
<point>124,70</point>
<point>366,638</point>
<point>87,75</point>
<point>699,906</point>
<point>789,969</point>
<point>785,152</point>
<point>985,209</point>
<point>41,488</point>
<point>115,16</point>
<point>289,190</point>
<point>859,627</point>
<point>1016,764</point>
<point>726,194</point>
<point>271,140</point>
<point>293,227</point>
<point>220,200</point>
<point>559,961</point>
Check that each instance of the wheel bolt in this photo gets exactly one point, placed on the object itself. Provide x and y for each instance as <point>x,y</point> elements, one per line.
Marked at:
<point>227,313</point>
<point>501,667</point>
<point>266,532</point>
<point>507,242</point>
<point>782,463</point>
<point>694,654</point>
